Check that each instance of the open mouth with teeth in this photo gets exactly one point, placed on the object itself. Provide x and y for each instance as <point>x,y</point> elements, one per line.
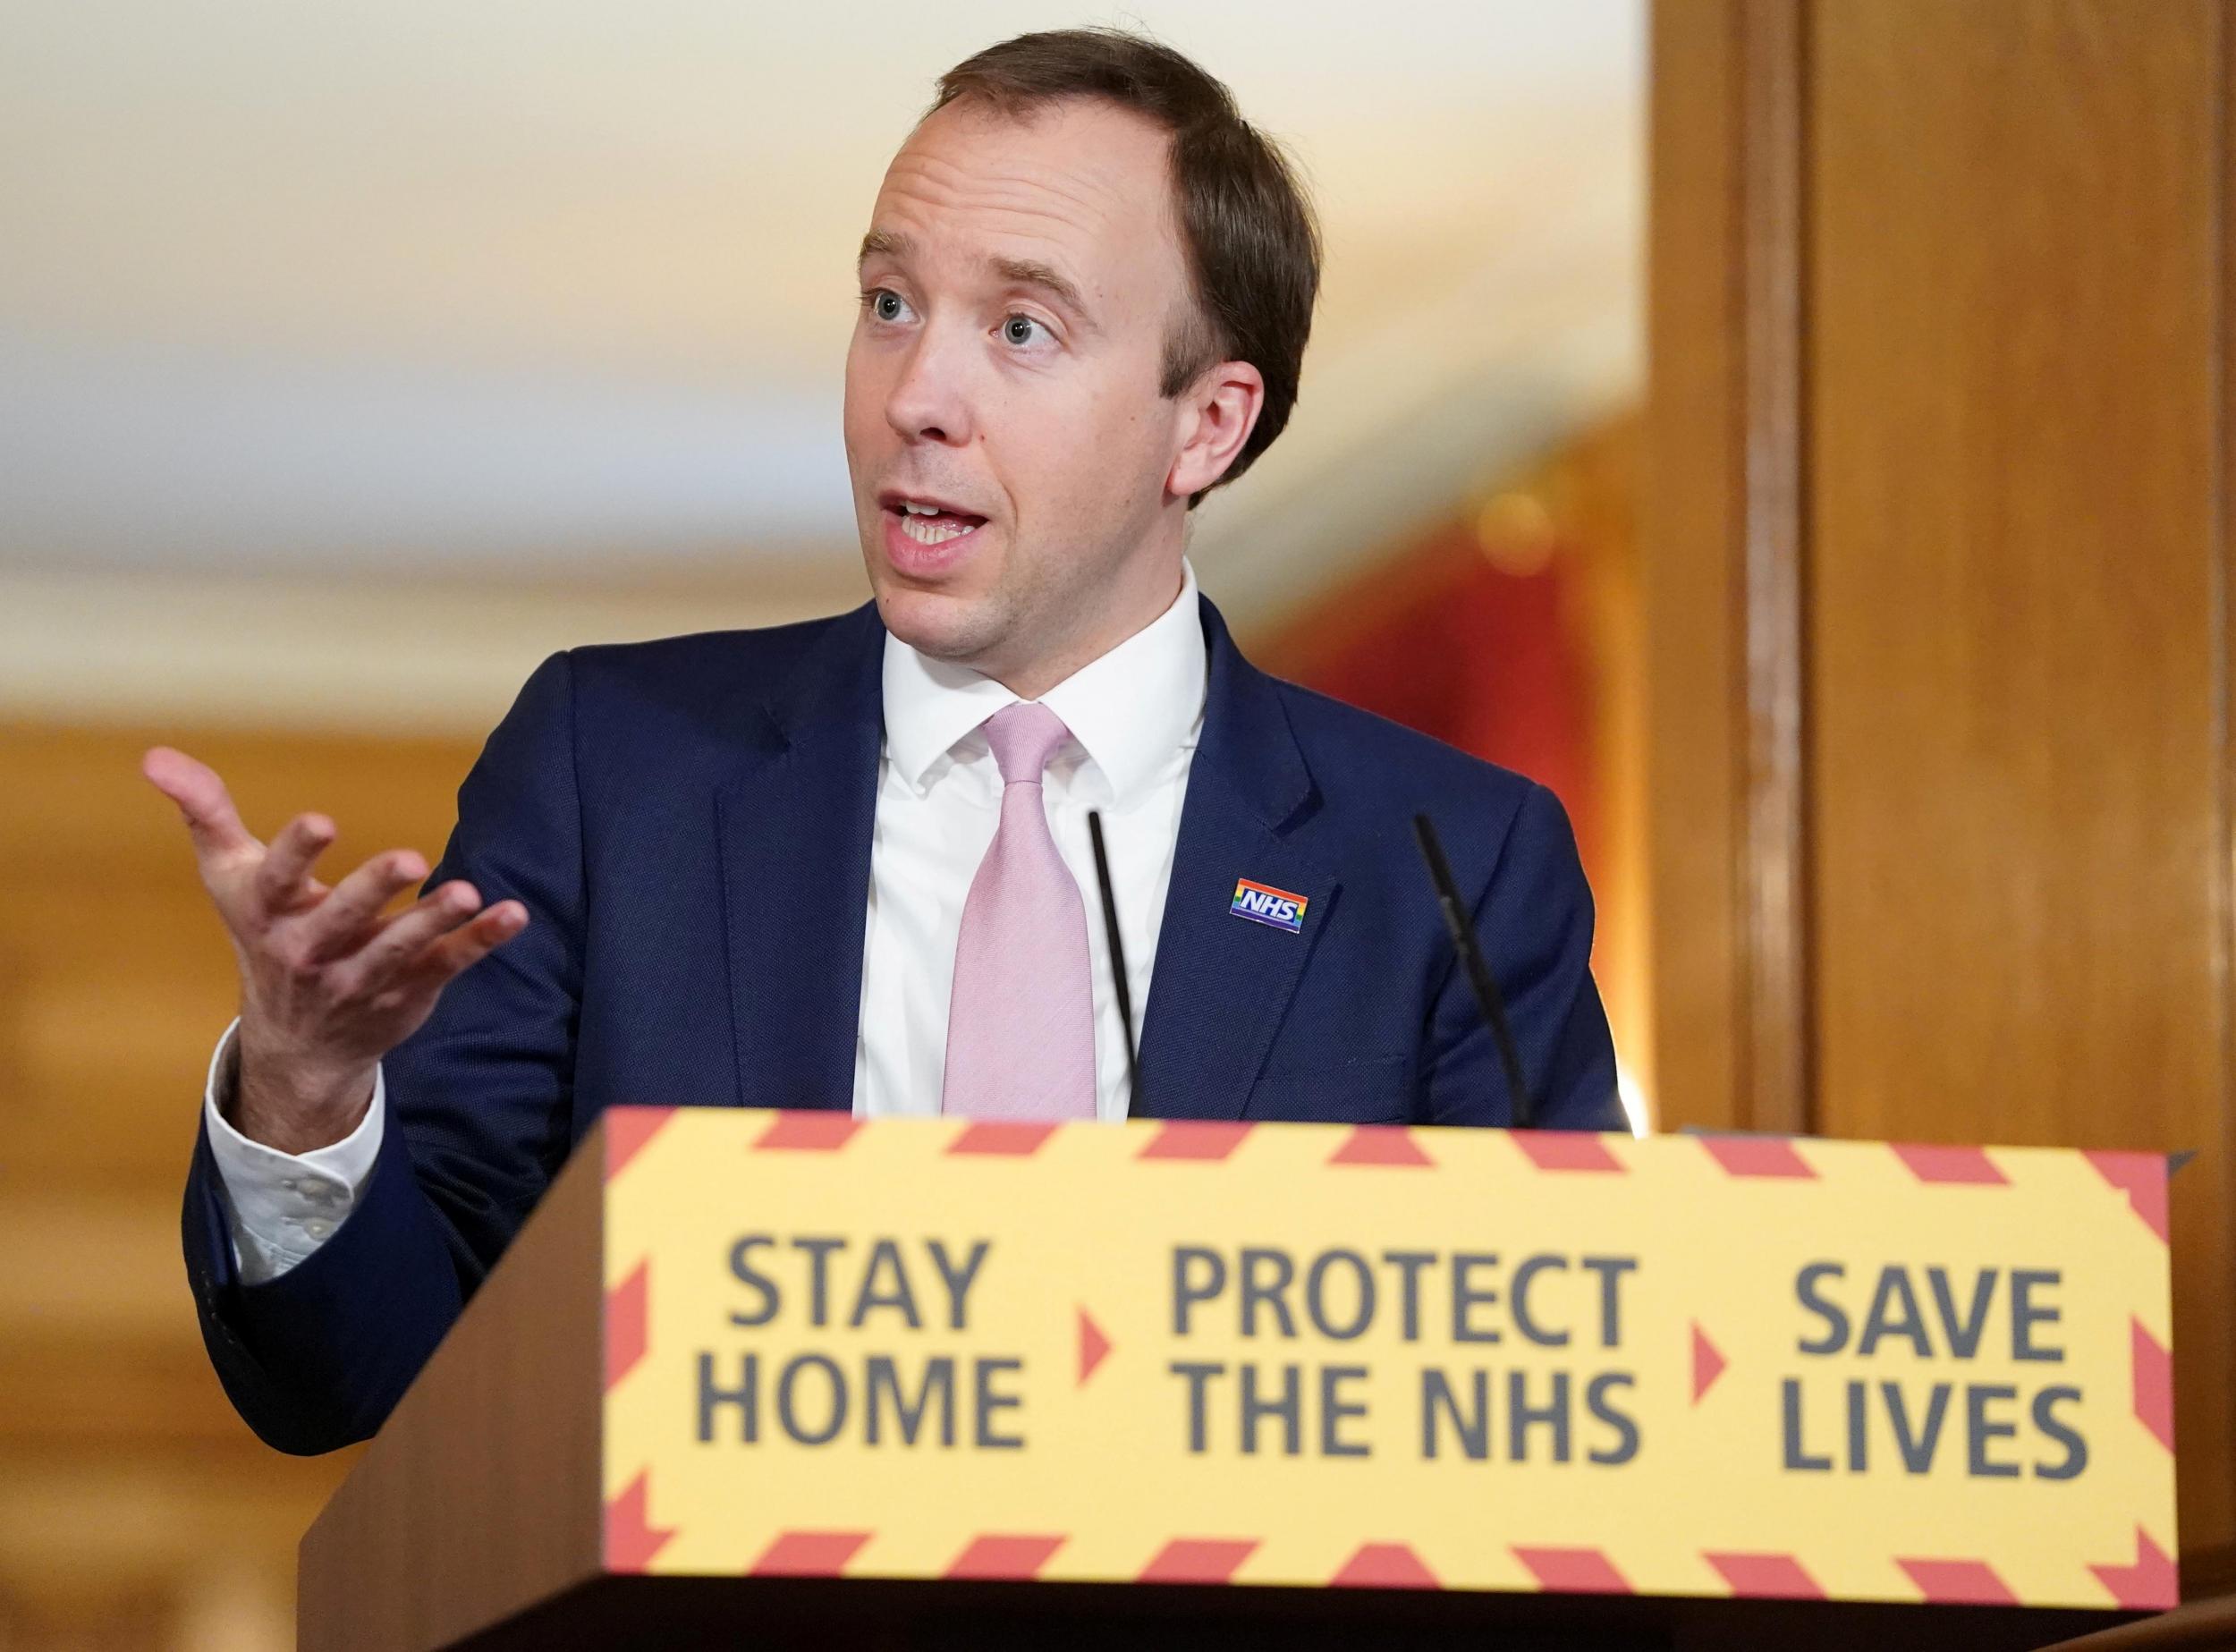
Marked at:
<point>930,525</point>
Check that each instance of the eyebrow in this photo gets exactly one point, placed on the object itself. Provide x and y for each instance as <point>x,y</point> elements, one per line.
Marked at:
<point>1018,272</point>
<point>886,243</point>
<point>1033,272</point>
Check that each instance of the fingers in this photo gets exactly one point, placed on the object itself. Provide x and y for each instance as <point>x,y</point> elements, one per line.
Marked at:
<point>470,942</point>
<point>202,800</point>
<point>342,921</point>
<point>282,882</point>
<point>412,931</point>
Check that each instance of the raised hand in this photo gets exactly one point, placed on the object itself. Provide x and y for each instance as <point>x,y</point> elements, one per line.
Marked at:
<point>329,983</point>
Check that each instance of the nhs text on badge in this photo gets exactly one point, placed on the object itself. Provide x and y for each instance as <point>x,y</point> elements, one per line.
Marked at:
<point>1264,905</point>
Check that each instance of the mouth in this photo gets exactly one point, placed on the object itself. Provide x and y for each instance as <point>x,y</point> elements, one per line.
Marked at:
<point>927,519</point>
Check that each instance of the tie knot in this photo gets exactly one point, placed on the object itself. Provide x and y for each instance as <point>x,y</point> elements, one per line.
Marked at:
<point>1024,737</point>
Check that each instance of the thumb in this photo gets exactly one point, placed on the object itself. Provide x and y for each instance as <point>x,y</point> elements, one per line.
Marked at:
<point>201,798</point>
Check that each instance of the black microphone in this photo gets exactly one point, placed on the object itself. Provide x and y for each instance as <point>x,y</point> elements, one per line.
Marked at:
<point>1479,969</point>
<point>1117,962</point>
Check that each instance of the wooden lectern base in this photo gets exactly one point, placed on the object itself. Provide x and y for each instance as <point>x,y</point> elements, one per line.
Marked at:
<point>883,1615</point>
<point>2201,1626</point>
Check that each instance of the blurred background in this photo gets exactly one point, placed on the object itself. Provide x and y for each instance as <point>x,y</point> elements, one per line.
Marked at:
<point>353,359</point>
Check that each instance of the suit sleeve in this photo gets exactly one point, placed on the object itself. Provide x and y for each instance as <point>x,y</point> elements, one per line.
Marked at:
<point>477,1109</point>
<point>1534,918</point>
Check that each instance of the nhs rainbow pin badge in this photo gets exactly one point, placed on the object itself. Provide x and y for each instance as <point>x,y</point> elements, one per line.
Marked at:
<point>1262,903</point>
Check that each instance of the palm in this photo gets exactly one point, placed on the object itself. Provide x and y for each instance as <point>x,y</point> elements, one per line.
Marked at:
<point>330,979</point>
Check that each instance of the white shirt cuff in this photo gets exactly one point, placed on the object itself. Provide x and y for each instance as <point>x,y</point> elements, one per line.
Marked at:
<point>281,1207</point>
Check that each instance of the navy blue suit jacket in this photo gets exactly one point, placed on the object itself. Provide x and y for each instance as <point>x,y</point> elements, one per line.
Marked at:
<point>688,823</point>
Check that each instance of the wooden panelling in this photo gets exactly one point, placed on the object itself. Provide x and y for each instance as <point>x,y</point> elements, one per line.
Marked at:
<point>129,1493</point>
<point>2017,738</point>
<point>1691,525</point>
<point>381,791</point>
<point>1997,551</point>
<point>1724,588</point>
<point>76,1536</point>
<point>1774,895</point>
<point>115,977</point>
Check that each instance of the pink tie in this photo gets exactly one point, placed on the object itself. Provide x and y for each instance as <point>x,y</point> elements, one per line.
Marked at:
<point>1020,1027</point>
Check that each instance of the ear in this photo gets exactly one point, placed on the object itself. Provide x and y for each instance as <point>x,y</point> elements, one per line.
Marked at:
<point>1221,410</point>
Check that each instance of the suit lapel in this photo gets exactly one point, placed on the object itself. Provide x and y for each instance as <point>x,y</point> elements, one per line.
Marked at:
<point>1222,982</point>
<point>794,829</point>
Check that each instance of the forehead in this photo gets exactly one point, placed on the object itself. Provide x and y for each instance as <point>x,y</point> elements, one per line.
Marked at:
<point>1081,184</point>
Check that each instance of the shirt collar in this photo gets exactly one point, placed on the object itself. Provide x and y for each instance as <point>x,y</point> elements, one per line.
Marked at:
<point>1129,710</point>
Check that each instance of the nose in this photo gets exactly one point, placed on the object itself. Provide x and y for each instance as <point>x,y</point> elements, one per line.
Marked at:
<point>928,400</point>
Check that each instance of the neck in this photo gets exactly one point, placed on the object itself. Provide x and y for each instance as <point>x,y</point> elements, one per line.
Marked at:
<point>1124,616</point>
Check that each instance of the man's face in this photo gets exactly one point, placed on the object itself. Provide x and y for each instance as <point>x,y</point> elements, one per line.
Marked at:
<point>1020,282</point>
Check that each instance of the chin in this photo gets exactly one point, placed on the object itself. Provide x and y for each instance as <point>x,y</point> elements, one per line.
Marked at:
<point>945,625</point>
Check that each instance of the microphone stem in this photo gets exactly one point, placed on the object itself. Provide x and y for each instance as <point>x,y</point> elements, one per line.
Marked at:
<point>1116,947</point>
<point>1477,969</point>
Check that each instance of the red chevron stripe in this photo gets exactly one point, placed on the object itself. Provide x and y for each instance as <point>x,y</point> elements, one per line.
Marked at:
<point>1929,1162</point>
<point>627,1130</point>
<point>1002,1138</point>
<point>1758,1156</point>
<point>808,1554</point>
<point>1567,1150</point>
<point>627,1322</point>
<point>1094,1346</point>
<point>1573,1571</point>
<point>1198,1560</point>
<point>2154,1369</point>
<point>992,1555</point>
<point>808,1131</point>
<point>2142,1177</point>
<point>1384,1565</point>
<point>2151,1584</point>
<point>1957,1583</point>
<point>1768,1577</point>
<point>1195,1139</point>
<point>1708,1362</point>
<point>1379,1144</point>
<point>631,1540</point>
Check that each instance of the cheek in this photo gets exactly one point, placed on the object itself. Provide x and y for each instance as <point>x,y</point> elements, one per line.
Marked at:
<point>1134,437</point>
<point>865,397</point>
<point>1072,453</point>
<point>1098,462</point>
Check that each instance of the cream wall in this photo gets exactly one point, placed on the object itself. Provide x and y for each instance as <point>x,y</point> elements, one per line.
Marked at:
<point>370,312</point>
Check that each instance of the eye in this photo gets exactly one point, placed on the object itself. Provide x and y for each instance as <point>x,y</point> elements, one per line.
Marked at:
<point>1019,330</point>
<point>884,303</point>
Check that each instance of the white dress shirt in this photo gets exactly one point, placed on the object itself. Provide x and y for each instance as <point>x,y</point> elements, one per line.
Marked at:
<point>1135,715</point>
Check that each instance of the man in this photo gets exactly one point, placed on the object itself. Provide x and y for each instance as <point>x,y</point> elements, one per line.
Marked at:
<point>841,863</point>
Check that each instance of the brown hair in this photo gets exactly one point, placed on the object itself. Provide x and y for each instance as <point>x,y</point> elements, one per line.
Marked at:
<point>1247,233</point>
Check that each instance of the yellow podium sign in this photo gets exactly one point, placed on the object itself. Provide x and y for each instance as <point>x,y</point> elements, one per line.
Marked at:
<point>1327,1355</point>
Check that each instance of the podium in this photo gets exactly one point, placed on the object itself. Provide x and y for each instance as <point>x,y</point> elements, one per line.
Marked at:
<point>779,1378</point>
